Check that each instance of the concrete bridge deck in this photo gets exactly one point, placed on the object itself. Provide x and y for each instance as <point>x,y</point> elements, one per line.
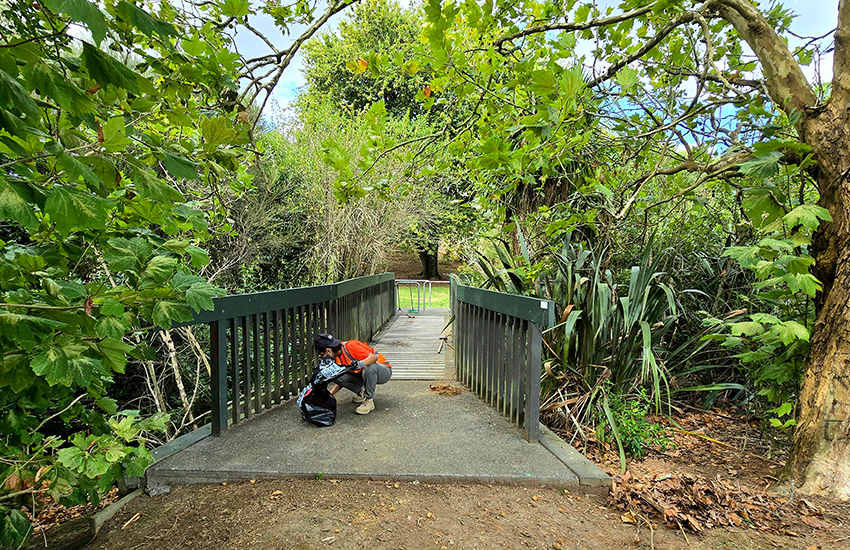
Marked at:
<point>414,433</point>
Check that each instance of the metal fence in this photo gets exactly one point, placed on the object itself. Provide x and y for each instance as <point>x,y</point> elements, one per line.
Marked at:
<point>261,344</point>
<point>498,350</point>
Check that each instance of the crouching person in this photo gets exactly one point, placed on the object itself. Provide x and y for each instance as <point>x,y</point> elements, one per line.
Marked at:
<point>375,369</point>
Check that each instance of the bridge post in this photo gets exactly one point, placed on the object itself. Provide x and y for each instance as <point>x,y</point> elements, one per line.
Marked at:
<point>532,391</point>
<point>218,382</point>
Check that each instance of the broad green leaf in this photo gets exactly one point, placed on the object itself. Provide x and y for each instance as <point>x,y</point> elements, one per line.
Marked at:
<point>74,169</point>
<point>111,306</point>
<point>15,371</point>
<point>807,215</point>
<point>790,331</point>
<point>215,132</point>
<point>16,204</point>
<point>84,12</point>
<point>144,22</point>
<point>166,312</point>
<point>95,466</point>
<point>108,72</point>
<point>115,353</point>
<point>70,457</point>
<point>746,329</point>
<point>235,8</point>
<point>53,85</point>
<point>762,167</point>
<point>52,364</point>
<point>127,255</point>
<point>110,327</point>
<point>115,135</point>
<point>199,256</point>
<point>572,82</point>
<point>627,78</point>
<point>14,530</point>
<point>200,296</point>
<point>160,268</point>
<point>543,83</point>
<point>14,97</point>
<point>71,209</point>
<point>149,185</point>
<point>179,167</point>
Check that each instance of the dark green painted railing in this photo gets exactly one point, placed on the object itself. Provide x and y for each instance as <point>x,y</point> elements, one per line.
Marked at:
<point>262,343</point>
<point>498,350</point>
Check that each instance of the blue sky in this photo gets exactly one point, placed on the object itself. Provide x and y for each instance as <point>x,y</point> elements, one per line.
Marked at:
<point>814,18</point>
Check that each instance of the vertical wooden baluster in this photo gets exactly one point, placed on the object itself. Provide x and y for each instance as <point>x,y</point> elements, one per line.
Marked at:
<point>247,370</point>
<point>218,383</point>
<point>276,331</point>
<point>236,398</point>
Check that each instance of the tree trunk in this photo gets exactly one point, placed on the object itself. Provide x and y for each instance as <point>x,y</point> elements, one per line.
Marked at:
<point>428,257</point>
<point>820,459</point>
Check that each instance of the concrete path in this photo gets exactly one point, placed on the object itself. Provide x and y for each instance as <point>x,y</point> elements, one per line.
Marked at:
<point>414,433</point>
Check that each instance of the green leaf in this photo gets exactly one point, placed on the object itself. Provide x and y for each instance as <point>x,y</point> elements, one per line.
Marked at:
<point>200,296</point>
<point>127,255</point>
<point>14,530</point>
<point>110,327</point>
<point>71,209</point>
<point>807,215</point>
<point>166,312</point>
<point>70,457</point>
<point>627,78</point>
<point>95,466</point>
<point>215,132</point>
<point>109,72</point>
<point>16,204</point>
<point>179,167</point>
<point>14,97</point>
<point>52,364</point>
<point>790,331</point>
<point>152,187</point>
<point>84,12</point>
<point>115,135</point>
<point>762,167</point>
<point>199,256</point>
<point>746,329</point>
<point>114,353</point>
<point>52,84</point>
<point>235,8</point>
<point>15,371</point>
<point>111,306</point>
<point>144,22</point>
<point>160,268</point>
<point>543,83</point>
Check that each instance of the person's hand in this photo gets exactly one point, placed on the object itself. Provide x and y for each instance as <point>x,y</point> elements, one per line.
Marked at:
<point>355,365</point>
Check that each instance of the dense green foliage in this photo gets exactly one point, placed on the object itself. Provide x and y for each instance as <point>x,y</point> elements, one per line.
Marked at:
<point>112,136</point>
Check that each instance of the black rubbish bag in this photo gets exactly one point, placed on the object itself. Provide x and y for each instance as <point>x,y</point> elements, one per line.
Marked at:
<point>317,406</point>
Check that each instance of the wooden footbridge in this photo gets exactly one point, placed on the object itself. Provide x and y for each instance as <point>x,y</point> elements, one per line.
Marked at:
<point>488,344</point>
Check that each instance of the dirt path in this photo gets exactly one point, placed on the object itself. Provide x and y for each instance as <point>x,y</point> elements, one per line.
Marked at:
<point>314,514</point>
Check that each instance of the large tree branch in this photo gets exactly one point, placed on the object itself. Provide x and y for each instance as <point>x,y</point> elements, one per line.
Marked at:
<point>786,85</point>
<point>841,57</point>
<point>643,50</point>
<point>537,29</point>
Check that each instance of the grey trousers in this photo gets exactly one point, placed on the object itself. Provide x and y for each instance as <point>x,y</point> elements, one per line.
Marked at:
<point>368,378</point>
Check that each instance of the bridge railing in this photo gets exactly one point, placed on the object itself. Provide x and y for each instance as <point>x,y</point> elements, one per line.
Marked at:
<point>261,344</point>
<point>498,350</point>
